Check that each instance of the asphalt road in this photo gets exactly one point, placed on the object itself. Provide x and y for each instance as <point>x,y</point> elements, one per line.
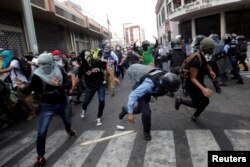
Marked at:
<point>176,141</point>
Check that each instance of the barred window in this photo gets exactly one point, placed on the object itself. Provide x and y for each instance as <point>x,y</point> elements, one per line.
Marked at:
<point>188,1</point>
<point>177,3</point>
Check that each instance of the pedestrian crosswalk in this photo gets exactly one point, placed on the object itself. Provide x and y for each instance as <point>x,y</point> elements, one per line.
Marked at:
<point>159,152</point>
<point>245,74</point>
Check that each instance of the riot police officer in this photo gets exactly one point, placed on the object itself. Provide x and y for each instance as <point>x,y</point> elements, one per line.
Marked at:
<point>176,56</point>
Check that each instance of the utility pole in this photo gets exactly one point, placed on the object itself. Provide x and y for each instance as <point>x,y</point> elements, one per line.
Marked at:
<point>108,30</point>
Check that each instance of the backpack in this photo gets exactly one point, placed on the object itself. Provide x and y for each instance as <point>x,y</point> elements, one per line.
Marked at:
<point>152,74</point>
<point>185,67</point>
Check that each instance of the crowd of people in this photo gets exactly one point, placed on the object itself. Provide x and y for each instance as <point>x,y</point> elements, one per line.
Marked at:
<point>57,80</point>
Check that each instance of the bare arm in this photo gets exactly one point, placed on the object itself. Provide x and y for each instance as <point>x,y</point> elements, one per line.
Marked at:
<point>7,69</point>
<point>193,74</point>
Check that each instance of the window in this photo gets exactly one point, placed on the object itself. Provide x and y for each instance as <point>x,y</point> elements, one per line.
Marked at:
<point>177,3</point>
<point>169,8</point>
<point>159,20</point>
<point>188,1</point>
<point>163,14</point>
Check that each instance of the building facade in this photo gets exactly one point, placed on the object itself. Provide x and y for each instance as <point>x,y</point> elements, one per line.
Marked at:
<point>57,26</point>
<point>133,33</point>
<point>189,18</point>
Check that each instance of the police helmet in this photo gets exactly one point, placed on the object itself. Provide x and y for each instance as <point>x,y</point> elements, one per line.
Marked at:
<point>215,37</point>
<point>227,38</point>
<point>170,82</point>
<point>207,45</point>
<point>233,35</point>
<point>196,42</point>
<point>175,44</point>
<point>241,38</point>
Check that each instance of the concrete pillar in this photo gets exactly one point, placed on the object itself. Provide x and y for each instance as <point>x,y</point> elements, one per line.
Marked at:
<point>29,24</point>
<point>193,28</point>
<point>222,23</point>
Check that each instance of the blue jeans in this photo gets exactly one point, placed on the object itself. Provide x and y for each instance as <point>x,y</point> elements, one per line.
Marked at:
<point>90,92</point>
<point>47,113</point>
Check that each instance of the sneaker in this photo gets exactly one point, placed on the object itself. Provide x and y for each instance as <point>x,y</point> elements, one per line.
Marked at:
<point>177,103</point>
<point>123,113</point>
<point>147,136</point>
<point>71,133</point>
<point>83,114</point>
<point>98,122</point>
<point>40,161</point>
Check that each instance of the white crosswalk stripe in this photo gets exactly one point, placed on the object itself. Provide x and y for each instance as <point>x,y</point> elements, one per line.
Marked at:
<point>12,150</point>
<point>8,135</point>
<point>239,138</point>
<point>118,151</point>
<point>76,155</point>
<point>245,74</point>
<point>53,143</point>
<point>200,142</point>
<point>160,151</point>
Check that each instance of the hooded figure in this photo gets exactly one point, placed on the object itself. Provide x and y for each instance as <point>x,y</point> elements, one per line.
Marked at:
<point>48,70</point>
<point>7,57</point>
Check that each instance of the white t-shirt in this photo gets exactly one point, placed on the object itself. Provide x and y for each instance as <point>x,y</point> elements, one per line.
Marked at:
<point>16,73</point>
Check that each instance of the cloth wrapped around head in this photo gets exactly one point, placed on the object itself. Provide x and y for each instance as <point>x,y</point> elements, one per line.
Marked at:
<point>47,69</point>
<point>7,56</point>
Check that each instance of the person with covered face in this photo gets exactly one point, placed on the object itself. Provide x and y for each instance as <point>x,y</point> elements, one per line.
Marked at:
<point>111,58</point>
<point>197,90</point>
<point>146,51</point>
<point>49,82</point>
<point>92,70</point>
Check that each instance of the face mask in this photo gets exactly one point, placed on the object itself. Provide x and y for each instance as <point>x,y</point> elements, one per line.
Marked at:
<point>88,58</point>
<point>118,48</point>
<point>107,50</point>
<point>47,68</point>
<point>56,58</point>
<point>208,57</point>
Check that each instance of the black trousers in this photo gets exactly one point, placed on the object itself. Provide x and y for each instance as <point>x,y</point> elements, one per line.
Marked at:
<point>143,107</point>
<point>198,100</point>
